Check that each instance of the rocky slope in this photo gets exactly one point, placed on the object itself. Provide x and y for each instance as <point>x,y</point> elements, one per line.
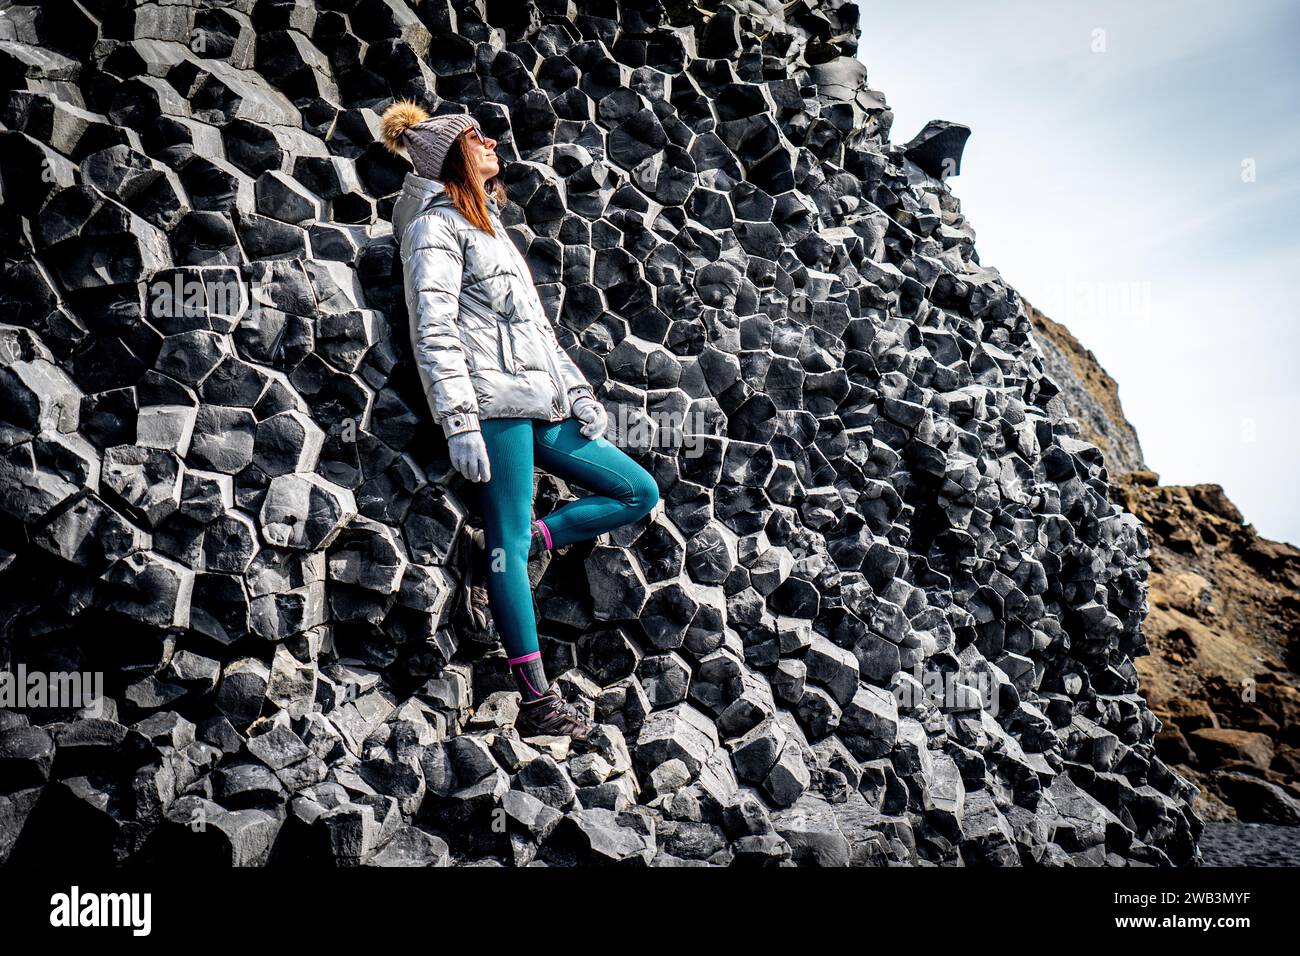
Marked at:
<point>1088,394</point>
<point>886,613</point>
<point>1224,618</point>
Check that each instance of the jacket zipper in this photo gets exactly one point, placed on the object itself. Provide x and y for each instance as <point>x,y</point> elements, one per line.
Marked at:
<point>557,380</point>
<point>509,362</point>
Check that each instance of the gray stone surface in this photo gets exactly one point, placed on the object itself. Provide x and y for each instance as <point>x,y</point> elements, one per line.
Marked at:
<point>219,486</point>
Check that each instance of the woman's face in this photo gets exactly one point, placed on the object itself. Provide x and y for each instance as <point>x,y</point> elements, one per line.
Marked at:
<point>482,154</point>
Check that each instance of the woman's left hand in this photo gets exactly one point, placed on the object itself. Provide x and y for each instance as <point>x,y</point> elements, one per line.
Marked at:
<point>592,414</point>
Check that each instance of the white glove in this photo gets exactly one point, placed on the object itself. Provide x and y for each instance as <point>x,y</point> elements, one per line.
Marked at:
<point>592,414</point>
<point>469,455</point>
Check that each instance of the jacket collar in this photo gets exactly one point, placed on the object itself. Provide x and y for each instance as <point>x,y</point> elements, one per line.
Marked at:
<point>436,191</point>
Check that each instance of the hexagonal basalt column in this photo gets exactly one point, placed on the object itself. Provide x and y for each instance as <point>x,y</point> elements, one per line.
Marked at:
<point>305,512</point>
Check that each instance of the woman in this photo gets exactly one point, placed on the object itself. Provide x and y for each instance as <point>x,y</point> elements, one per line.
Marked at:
<point>505,392</point>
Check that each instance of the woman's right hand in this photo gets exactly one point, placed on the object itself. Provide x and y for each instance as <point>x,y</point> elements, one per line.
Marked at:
<point>469,455</point>
<point>592,415</point>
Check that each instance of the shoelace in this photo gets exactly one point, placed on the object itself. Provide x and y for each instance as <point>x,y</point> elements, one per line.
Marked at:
<point>573,714</point>
<point>561,708</point>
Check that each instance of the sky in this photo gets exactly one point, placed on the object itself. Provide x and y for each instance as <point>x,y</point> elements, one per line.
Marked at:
<point>1134,171</point>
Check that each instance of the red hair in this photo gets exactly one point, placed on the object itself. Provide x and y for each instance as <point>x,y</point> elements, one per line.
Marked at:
<point>463,186</point>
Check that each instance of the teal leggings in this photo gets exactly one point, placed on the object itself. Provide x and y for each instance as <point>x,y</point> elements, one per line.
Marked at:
<point>623,491</point>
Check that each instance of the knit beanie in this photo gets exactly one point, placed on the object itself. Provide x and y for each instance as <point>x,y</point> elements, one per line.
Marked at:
<point>408,129</point>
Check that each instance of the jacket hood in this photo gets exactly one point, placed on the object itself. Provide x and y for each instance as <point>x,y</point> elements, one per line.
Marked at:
<point>421,193</point>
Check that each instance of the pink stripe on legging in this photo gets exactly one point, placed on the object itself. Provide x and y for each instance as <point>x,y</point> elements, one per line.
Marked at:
<point>526,657</point>
<point>546,534</point>
<point>532,688</point>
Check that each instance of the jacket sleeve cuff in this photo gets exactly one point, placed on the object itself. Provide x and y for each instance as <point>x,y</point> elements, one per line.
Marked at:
<point>579,390</point>
<point>457,422</point>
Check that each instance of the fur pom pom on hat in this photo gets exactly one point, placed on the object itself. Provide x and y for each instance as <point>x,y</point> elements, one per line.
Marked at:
<point>408,129</point>
<point>397,119</point>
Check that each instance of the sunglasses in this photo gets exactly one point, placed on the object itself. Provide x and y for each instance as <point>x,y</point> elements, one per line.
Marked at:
<point>474,134</point>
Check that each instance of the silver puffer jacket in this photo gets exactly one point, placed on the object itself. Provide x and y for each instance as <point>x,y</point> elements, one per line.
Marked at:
<point>483,343</point>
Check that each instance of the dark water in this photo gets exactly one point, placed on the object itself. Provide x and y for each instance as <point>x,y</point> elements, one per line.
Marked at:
<point>1250,844</point>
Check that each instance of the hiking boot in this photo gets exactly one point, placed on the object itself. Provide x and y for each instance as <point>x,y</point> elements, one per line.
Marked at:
<point>552,715</point>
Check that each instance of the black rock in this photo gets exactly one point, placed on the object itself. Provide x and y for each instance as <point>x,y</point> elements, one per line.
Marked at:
<point>937,148</point>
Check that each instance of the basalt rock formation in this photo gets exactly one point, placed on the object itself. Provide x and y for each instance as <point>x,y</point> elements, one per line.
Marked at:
<point>1223,621</point>
<point>885,613</point>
